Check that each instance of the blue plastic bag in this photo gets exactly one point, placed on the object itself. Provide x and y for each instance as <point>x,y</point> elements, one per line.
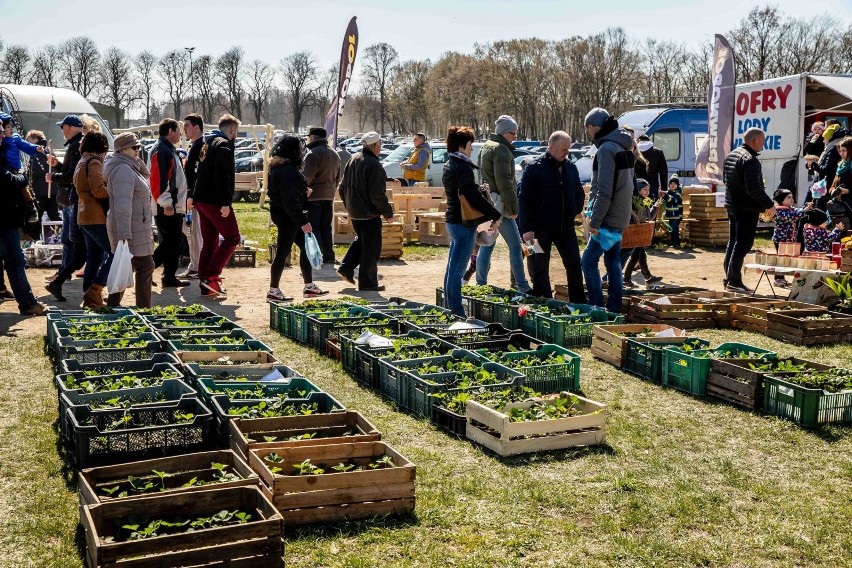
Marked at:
<point>607,238</point>
<point>312,249</point>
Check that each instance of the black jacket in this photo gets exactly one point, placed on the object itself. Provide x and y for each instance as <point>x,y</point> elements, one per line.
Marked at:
<point>214,180</point>
<point>39,167</point>
<point>814,145</point>
<point>11,214</point>
<point>459,179</point>
<point>657,172</point>
<point>288,190</point>
<point>548,200</point>
<point>190,168</point>
<point>744,190</point>
<point>363,188</point>
<point>65,176</point>
<point>827,166</point>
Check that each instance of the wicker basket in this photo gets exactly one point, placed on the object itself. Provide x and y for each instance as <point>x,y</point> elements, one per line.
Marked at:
<point>637,235</point>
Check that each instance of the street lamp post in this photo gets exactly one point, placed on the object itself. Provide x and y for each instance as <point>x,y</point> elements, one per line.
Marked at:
<point>189,50</point>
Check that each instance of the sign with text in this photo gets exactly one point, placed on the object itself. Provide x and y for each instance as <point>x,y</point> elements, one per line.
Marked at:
<point>773,108</point>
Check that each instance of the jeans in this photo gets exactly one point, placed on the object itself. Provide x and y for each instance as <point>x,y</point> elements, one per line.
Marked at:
<point>288,233</point>
<point>15,265</point>
<point>740,240</point>
<point>462,239</point>
<point>675,225</point>
<point>320,216</point>
<point>509,230</point>
<point>365,251</point>
<point>98,255</point>
<point>167,253</point>
<point>215,256</point>
<point>539,264</point>
<point>615,282</point>
<point>73,245</point>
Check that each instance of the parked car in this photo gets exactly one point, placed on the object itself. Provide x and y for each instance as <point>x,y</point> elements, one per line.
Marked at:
<point>244,153</point>
<point>584,164</point>
<point>253,163</point>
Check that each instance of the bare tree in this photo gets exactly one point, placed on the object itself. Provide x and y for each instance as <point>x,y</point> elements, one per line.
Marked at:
<point>173,69</point>
<point>756,44</point>
<point>15,64</point>
<point>327,89</point>
<point>118,83</point>
<point>45,67</point>
<point>408,104</point>
<point>145,64</point>
<point>260,78</point>
<point>380,61</point>
<point>299,72</point>
<point>203,70</point>
<point>79,64</point>
<point>229,71</point>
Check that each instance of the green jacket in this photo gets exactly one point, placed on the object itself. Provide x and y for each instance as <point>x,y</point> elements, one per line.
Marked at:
<point>497,167</point>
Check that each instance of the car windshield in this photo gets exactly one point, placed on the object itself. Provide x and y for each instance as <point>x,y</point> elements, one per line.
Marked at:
<point>46,122</point>
<point>399,154</point>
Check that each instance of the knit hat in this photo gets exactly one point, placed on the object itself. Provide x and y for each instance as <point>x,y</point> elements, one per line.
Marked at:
<point>124,140</point>
<point>505,124</point>
<point>829,132</point>
<point>640,183</point>
<point>817,126</point>
<point>780,195</point>
<point>596,117</point>
<point>370,138</point>
<point>675,179</point>
<point>816,217</point>
<point>6,118</point>
<point>317,131</point>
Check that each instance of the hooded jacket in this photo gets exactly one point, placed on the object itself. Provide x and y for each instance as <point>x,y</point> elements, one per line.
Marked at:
<point>657,171</point>
<point>613,178</point>
<point>744,190</point>
<point>215,178</point>
<point>129,216</point>
<point>288,190</point>
<point>322,170</point>
<point>830,157</point>
<point>497,166</point>
<point>363,188</point>
<point>549,199</point>
<point>168,181</point>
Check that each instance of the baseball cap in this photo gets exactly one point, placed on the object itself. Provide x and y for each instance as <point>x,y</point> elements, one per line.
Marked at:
<point>71,120</point>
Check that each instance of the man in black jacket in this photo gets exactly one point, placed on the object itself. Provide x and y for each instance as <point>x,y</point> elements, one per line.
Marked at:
<point>73,244</point>
<point>11,255</point>
<point>550,196</point>
<point>322,172</point>
<point>212,198</point>
<point>363,193</point>
<point>193,128</point>
<point>657,172</point>
<point>745,200</point>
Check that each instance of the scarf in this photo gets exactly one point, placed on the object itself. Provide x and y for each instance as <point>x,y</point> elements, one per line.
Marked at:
<point>843,167</point>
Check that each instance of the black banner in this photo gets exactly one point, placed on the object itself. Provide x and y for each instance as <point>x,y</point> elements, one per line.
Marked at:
<point>347,63</point>
<point>720,114</point>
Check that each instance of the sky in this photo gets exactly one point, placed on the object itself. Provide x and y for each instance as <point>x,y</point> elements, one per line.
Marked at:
<point>269,30</point>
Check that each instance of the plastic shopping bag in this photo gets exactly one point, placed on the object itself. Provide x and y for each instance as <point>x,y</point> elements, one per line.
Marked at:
<point>121,272</point>
<point>607,238</point>
<point>313,251</point>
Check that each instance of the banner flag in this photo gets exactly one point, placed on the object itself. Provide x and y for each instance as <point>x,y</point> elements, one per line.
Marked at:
<point>720,113</point>
<point>347,63</point>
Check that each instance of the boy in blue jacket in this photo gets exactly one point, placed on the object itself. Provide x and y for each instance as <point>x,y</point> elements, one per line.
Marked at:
<point>13,144</point>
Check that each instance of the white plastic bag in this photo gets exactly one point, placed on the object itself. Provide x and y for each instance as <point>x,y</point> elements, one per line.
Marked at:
<point>121,272</point>
<point>312,249</point>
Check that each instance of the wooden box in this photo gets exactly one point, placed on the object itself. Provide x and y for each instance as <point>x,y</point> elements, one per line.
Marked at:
<point>722,302</point>
<point>495,431</point>
<point>182,468</point>
<point>433,229</point>
<point>752,316</point>
<point>688,313</point>
<point>208,361</point>
<point>335,496</point>
<point>255,544</point>
<point>333,428</point>
<point>611,347</point>
<point>733,381</point>
<point>793,326</point>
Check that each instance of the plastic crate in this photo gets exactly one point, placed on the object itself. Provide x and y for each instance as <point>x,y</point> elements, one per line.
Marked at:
<point>62,328</point>
<point>156,312</point>
<point>56,321</point>
<point>165,322</point>
<point>146,372</point>
<point>296,326</point>
<point>472,338</point>
<point>73,365</point>
<point>351,320</point>
<point>550,378</point>
<point>575,330</point>
<point>84,350</point>
<point>366,366</point>
<point>97,444</point>
<point>506,313</point>
<point>518,340</point>
<point>645,360</point>
<point>170,390</point>
<point>808,407</point>
<point>689,371</point>
<point>249,345</point>
<point>238,373</point>
<point>176,344</point>
<point>529,323</point>
<point>208,324</point>
<point>449,421</point>
<point>391,372</point>
<point>209,388</point>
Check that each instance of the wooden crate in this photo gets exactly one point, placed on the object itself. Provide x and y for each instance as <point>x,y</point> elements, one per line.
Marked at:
<point>688,192</point>
<point>183,468</point>
<point>249,434</point>
<point>846,260</point>
<point>792,326</point>
<point>392,240</point>
<point>612,348</point>
<point>243,258</point>
<point>752,316</point>
<point>433,229</point>
<point>494,430</point>
<point>688,313</point>
<point>209,365</point>
<point>307,499</point>
<point>721,303</point>
<point>733,381</point>
<point>255,544</point>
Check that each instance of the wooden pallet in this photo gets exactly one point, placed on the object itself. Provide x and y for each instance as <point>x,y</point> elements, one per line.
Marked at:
<point>792,325</point>
<point>611,347</point>
<point>335,496</point>
<point>433,229</point>
<point>494,430</point>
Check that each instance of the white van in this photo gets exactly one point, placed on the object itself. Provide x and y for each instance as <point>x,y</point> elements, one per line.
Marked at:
<point>434,172</point>
<point>31,108</point>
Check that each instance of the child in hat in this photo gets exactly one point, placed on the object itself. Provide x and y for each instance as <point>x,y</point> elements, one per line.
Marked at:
<point>817,237</point>
<point>673,198</point>
<point>13,144</point>
<point>644,209</point>
<point>786,219</point>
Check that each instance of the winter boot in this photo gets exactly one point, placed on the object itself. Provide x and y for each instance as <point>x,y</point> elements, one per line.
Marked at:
<point>93,298</point>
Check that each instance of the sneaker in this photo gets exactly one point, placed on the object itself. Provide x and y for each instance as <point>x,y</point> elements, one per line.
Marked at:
<point>741,288</point>
<point>346,277</point>
<point>653,279</point>
<point>192,275</point>
<point>312,291</point>
<point>175,283</point>
<point>373,289</point>
<point>276,295</point>
<point>37,309</point>
<point>6,294</point>
<point>78,274</point>
<point>55,288</point>
<point>212,289</point>
<point>628,283</point>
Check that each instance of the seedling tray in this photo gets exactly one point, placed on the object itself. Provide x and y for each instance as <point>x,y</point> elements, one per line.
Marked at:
<point>154,370</point>
<point>495,431</point>
<point>167,322</point>
<point>391,372</point>
<point>182,469</point>
<point>56,326</point>
<point>74,365</point>
<point>752,316</point>
<point>210,388</point>
<point>793,326</point>
<point>175,312</point>
<point>733,381</point>
<point>86,352</point>
<point>96,444</point>
<point>808,407</point>
<point>546,378</point>
<point>335,496</point>
<point>518,340</point>
<point>268,433</point>
<point>366,366</point>
<point>467,302</point>
<point>505,311</point>
<point>573,331</point>
<point>255,544</point>
<point>293,319</point>
<point>247,345</point>
<point>609,345</point>
<point>689,371</point>
<point>221,330</point>
<point>209,363</point>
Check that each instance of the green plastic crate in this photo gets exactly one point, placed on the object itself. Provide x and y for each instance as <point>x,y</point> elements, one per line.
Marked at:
<point>645,360</point>
<point>353,319</point>
<point>808,407</point>
<point>123,367</point>
<point>689,371</point>
<point>391,372</point>
<point>550,378</point>
<point>574,330</point>
<point>181,345</point>
<point>85,350</point>
<point>296,326</point>
<point>209,388</point>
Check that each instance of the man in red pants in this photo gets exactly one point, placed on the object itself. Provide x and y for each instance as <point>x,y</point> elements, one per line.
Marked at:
<point>214,192</point>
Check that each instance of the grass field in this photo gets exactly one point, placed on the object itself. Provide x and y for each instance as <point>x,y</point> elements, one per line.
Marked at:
<point>681,481</point>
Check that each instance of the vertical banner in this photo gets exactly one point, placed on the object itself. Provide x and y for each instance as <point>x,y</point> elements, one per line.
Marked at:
<point>720,109</point>
<point>347,63</point>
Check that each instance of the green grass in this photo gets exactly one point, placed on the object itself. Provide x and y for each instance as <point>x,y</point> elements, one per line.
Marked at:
<point>681,481</point>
